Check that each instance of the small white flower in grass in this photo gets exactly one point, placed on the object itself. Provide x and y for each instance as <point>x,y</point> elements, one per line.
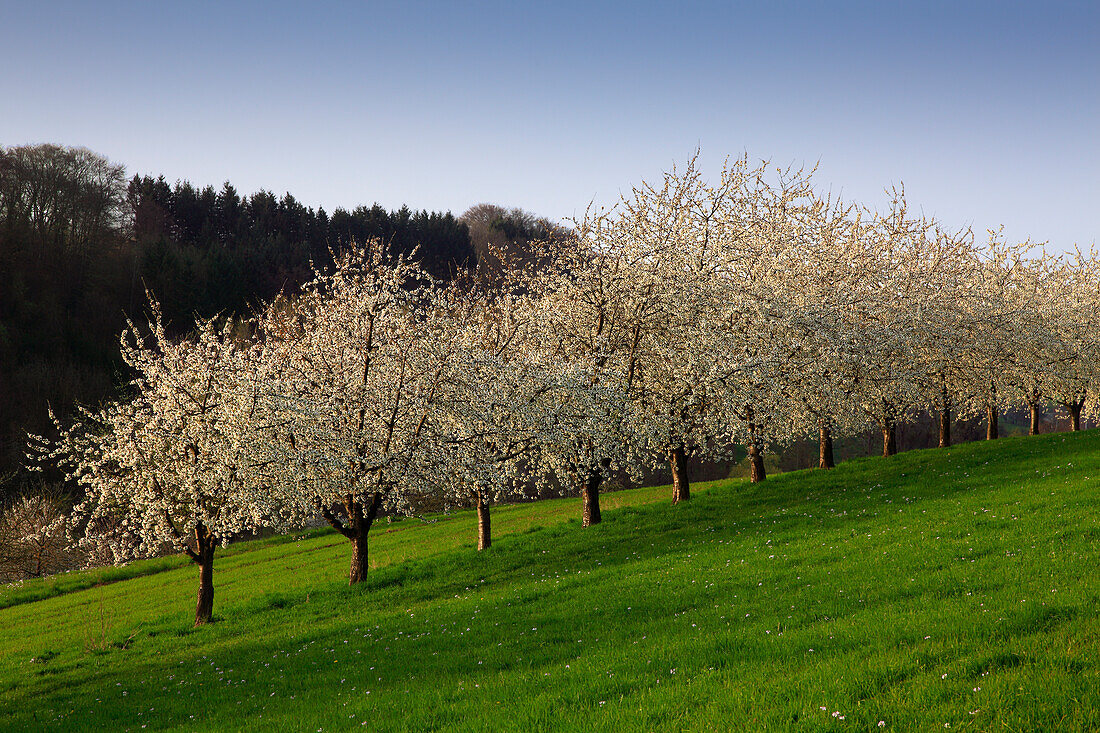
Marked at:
<point>943,676</point>
<point>882,724</point>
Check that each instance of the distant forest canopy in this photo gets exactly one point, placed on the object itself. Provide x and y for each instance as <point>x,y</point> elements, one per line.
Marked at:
<point>80,243</point>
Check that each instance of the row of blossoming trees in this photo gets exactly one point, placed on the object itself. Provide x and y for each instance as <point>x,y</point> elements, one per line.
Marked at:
<point>689,319</point>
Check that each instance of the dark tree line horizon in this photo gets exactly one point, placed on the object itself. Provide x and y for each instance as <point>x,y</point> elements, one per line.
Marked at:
<point>81,243</point>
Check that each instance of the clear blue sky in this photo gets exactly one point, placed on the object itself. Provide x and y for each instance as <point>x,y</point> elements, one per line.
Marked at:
<point>989,112</point>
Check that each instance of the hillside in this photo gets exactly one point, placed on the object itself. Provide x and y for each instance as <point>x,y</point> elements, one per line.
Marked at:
<point>940,588</point>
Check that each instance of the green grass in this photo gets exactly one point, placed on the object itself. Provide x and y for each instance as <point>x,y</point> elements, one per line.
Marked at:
<point>944,587</point>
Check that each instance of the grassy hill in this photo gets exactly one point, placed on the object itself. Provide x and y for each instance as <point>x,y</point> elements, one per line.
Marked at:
<point>942,588</point>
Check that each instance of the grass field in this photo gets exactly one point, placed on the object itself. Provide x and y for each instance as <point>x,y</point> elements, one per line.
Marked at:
<point>937,589</point>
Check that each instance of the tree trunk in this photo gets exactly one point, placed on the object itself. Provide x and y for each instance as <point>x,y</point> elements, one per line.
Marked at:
<point>204,607</point>
<point>484,530</point>
<point>1036,417</point>
<point>756,465</point>
<point>992,431</point>
<point>203,556</point>
<point>825,454</point>
<point>591,492</point>
<point>889,440</point>
<point>359,559</point>
<point>681,490</point>
<point>945,418</point>
<point>889,430</point>
<point>1075,417</point>
<point>756,461</point>
<point>358,532</point>
<point>356,528</point>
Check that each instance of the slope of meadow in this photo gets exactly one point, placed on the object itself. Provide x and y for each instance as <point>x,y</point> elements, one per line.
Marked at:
<point>943,588</point>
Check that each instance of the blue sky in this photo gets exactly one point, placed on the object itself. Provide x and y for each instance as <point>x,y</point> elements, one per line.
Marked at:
<point>987,111</point>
